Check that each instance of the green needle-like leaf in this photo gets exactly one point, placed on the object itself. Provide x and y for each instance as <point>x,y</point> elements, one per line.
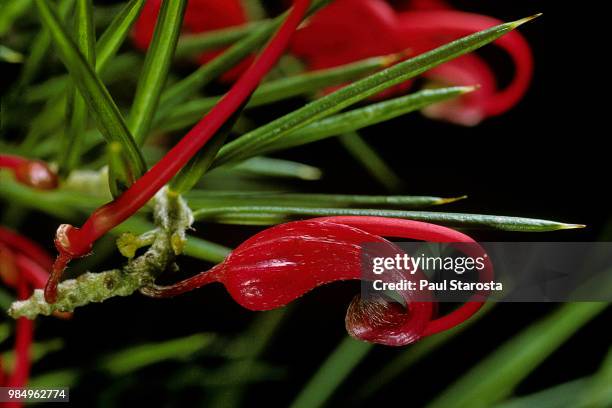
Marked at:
<point>266,215</point>
<point>191,84</point>
<point>352,120</point>
<point>12,10</point>
<point>193,44</point>
<point>10,56</point>
<point>191,112</point>
<point>139,356</point>
<point>371,161</point>
<point>203,199</point>
<point>116,32</point>
<point>414,353</point>
<point>39,48</point>
<point>494,378</point>
<point>330,374</point>
<point>100,103</point>
<point>360,90</point>
<point>156,67</point>
<point>77,110</point>
<point>558,396</point>
<point>268,167</point>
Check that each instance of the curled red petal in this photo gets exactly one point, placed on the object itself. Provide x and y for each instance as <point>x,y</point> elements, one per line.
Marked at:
<point>400,228</point>
<point>425,30</point>
<point>464,71</point>
<point>346,31</point>
<point>280,264</point>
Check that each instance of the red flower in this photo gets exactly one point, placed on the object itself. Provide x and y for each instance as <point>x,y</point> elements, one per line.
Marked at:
<point>23,266</point>
<point>200,16</point>
<point>349,30</point>
<point>282,263</point>
<point>33,173</point>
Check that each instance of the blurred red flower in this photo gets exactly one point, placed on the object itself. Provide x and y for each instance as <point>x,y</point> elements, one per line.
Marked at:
<point>350,30</point>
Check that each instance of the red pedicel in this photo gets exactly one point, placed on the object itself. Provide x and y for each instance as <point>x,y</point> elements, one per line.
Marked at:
<point>73,242</point>
<point>282,263</point>
<point>33,173</point>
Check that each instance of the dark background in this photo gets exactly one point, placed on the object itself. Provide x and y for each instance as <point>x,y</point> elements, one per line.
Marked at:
<point>547,158</point>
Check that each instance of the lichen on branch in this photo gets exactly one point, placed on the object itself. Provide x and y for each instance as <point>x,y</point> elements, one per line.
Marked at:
<point>172,217</point>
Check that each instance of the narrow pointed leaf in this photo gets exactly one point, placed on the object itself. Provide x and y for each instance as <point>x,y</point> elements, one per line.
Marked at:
<point>371,161</point>
<point>84,36</point>
<point>362,117</point>
<point>331,373</point>
<point>12,10</point>
<point>193,44</point>
<point>203,199</point>
<point>190,85</point>
<point>100,103</point>
<point>10,56</point>
<point>459,220</point>
<point>191,112</point>
<point>358,91</point>
<point>494,378</point>
<point>115,34</point>
<point>156,67</point>
<point>411,355</point>
<point>139,356</point>
<point>40,47</point>
<point>268,167</point>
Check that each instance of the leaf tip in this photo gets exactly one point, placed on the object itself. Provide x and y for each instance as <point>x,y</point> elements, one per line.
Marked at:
<point>388,60</point>
<point>450,200</point>
<point>571,226</point>
<point>522,21</point>
<point>468,89</point>
<point>310,173</point>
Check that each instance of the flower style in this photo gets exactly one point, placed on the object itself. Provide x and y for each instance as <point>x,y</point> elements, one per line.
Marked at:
<point>349,30</point>
<point>282,263</point>
<point>23,266</point>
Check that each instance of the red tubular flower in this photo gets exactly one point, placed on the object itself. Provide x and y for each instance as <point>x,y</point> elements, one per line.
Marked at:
<point>329,40</point>
<point>200,16</point>
<point>33,173</point>
<point>23,266</point>
<point>282,263</point>
<point>73,242</point>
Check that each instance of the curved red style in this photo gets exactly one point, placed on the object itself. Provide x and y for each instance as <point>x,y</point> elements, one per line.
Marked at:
<point>280,264</point>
